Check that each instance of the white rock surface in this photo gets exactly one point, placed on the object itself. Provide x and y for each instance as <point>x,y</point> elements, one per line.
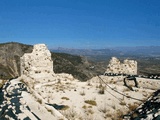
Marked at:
<point>37,64</point>
<point>127,67</point>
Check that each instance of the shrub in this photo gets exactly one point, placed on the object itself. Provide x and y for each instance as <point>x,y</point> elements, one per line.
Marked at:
<point>40,101</point>
<point>132,107</point>
<point>90,111</point>
<point>91,102</point>
<point>2,83</point>
<point>84,107</point>
<point>82,93</point>
<point>101,91</point>
<point>65,107</point>
<point>70,114</point>
<point>122,103</point>
<point>66,98</point>
<point>103,109</point>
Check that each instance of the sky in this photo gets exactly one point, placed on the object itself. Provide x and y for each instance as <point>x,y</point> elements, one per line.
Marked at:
<point>81,23</point>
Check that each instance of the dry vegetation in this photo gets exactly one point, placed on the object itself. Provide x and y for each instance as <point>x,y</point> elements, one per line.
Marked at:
<point>2,82</point>
<point>92,99</point>
<point>91,102</point>
<point>65,98</point>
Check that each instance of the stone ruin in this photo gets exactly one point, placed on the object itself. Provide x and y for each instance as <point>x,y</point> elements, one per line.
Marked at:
<point>127,67</point>
<point>21,101</point>
<point>37,64</point>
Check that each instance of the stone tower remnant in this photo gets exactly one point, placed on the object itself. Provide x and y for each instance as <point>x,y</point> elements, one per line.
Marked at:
<point>38,63</point>
<point>127,67</point>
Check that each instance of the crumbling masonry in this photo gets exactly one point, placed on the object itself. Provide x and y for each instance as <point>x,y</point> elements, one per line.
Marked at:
<point>127,67</point>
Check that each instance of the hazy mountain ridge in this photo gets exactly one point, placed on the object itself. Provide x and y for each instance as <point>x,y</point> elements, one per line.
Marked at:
<point>86,52</point>
<point>113,51</point>
<point>141,50</point>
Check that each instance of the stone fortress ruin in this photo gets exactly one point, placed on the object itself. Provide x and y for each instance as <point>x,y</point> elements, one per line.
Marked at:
<point>38,65</point>
<point>37,62</point>
<point>127,67</point>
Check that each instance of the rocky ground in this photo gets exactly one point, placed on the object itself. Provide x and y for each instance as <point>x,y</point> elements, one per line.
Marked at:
<point>64,97</point>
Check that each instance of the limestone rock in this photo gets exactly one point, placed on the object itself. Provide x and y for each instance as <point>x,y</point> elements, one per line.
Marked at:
<point>127,67</point>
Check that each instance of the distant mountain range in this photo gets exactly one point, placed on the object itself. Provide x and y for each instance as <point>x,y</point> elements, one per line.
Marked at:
<point>115,51</point>
<point>141,50</point>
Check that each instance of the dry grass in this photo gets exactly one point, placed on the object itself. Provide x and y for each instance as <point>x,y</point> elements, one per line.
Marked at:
<point>108,115</point>
<point>89,106</point>
<point>103,109</point>
<point>119,114</point>
<point>82,93</point>
<point>90,111</point>
<point>65,98</point>
<point>126,89</point>
<point>122,103</point>
<point>2,83</point>
<point>49,111</point>
<point>113,106</point>
<point>70,114</point>
<point>101,90</point>
<point>59,81</point>
<point>91,102</point>
<point>132,106</point>
<point>39,101</point>
<point>66,107</point>
<point>145,94</point>
<point>84,107</point>
<point>89,83</point>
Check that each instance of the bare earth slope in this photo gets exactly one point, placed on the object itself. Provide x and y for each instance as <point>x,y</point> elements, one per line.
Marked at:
<point>10,54</point>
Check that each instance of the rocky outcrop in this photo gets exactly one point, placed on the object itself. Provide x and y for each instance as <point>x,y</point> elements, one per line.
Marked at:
<point>127,67</point>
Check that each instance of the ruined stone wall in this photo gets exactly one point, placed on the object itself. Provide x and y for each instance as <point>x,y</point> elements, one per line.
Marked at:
<point>127,67</point>
<point>37,63</point>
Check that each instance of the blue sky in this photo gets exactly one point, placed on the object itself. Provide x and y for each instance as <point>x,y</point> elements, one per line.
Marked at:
<point>81,23</point>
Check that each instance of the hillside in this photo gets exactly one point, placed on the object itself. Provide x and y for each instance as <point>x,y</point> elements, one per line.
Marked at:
<point>10,54</point>
<point>148,58</point>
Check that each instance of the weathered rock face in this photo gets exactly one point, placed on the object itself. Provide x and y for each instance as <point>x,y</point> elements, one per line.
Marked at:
<point>38,63</point>
<point>127,67</point>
